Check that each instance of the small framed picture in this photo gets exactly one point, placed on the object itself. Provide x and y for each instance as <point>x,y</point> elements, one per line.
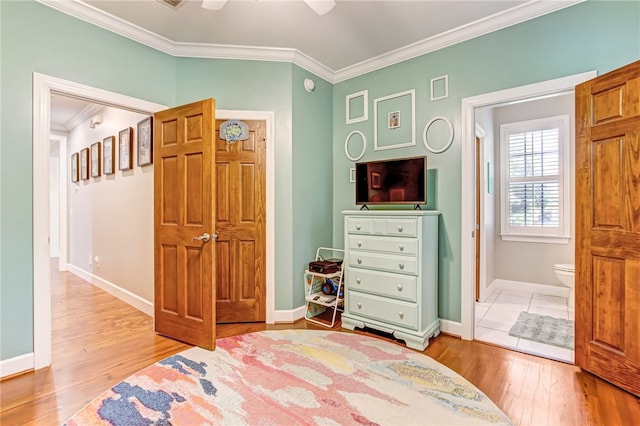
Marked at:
<point>84,164</point>
<point>95,160</point>
<point>108,154</point>
<point>125,148</point>
<point>75,176</point>
<point>145,141</point>
<point>394,119</point>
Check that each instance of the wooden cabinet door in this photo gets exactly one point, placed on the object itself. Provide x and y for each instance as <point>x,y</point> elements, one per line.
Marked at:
<point>184,202</point>
<point>608,227</point>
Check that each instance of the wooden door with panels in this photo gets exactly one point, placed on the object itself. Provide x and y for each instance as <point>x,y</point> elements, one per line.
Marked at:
<point>240,221</point>
<point>607,275</point>
<point>184,205</point>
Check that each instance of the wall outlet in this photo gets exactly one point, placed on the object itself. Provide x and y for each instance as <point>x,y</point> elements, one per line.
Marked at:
<point>97,261</point>
<point>89,260</point>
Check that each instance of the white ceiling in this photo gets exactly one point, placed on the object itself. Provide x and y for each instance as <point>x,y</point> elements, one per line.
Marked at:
<point>355,37</point>
<point>353,31</point>
<point>67,113</point>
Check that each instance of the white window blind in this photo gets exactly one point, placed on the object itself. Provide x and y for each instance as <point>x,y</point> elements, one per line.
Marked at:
<point>533,177</point>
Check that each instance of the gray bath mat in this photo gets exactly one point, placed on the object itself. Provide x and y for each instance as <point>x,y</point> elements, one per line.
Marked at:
<point>544,329</point>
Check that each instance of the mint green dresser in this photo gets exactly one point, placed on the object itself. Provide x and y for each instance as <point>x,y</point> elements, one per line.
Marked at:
<point>391,274</point>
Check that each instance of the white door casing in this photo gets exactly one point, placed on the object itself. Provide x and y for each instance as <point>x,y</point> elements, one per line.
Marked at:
<point>517,94</point>
<point>43,87</point>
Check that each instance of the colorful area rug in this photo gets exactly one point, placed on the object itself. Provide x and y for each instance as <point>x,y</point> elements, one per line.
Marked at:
<point>544,329</point>
<point>294,377</point>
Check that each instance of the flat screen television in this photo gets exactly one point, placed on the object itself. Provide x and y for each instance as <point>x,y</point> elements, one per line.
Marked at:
<point>397,181</point>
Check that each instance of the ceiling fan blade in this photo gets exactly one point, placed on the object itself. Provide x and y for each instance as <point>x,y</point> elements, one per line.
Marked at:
<point>320,6</point>
<point>213,4</point>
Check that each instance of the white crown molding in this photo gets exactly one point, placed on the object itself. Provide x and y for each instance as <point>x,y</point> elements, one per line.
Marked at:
<point>252,53</point>
<point>527,11</point>
<point>530,10</point>
<point>95,16</point>
<point>87,112</point>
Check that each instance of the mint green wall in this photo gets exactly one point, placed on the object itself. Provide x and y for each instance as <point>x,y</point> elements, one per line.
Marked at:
<point>598,36</point>
<point>36,38</point>
<point>300,137</point>
<point>259,86</point>
<point>33,37</point>
<point>312,174</point>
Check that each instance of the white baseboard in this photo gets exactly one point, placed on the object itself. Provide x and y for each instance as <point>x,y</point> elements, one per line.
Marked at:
<point>545,289</point>
<point>488,292</point>
<point>451,327</point>
<point>289,316</point>
<point>17,364</point>
<point>111,288</point>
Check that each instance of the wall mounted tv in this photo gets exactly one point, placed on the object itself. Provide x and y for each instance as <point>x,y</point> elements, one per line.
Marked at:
<point>397,181</point>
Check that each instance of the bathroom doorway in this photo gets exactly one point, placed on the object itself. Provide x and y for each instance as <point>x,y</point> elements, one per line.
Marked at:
<point>514,280</point>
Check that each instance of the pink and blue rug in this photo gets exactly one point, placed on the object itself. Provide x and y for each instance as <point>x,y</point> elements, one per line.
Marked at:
<point>294,377</point>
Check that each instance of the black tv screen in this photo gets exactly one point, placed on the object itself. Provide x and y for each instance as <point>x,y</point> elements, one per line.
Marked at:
<point>398,181</point>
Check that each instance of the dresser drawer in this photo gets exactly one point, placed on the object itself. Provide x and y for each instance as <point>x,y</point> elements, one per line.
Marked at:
<point>383,284</point>
<point>397,312</point>
<point>361,225</point>
<point>395,245</point>
<point>384,262</point>
<point>401,227</point>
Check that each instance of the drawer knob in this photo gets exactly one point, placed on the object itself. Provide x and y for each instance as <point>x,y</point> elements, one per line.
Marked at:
<point>399,287</point>
<point>359,305</point>
<point>357,227</point>
<point>359,244</point>
<point>399,228</point>
<point>401,247</point>
<point>401,314</point>
<point>359,261</point>
<point>358,280</point>
<point>401,265</point>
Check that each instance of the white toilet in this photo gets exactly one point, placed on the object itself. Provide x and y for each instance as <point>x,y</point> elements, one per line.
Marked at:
<point>566,273</point>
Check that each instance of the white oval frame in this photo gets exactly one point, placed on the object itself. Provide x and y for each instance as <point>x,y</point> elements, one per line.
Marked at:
<point>346,145</point>
<point>426,130</point>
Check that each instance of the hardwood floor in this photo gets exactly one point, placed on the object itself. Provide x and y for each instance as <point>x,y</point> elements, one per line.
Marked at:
<point>99,340</point>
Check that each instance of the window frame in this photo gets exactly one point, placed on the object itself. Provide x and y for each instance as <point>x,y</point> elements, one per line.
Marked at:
<point>561,233</point>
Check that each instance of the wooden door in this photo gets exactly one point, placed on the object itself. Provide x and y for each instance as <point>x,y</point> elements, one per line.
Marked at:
<point>184,202</point>
<point>241,226</point>
<point>608,227</point>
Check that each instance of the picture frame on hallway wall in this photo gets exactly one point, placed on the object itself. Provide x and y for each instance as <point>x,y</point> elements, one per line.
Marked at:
<point>84,164</point>
<point>108,154</point>
<point>145,142</point>
<point>75,161</point>
<point>96,158</point>
<point>125,148</point>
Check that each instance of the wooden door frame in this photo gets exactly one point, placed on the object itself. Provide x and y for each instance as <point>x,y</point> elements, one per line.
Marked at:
<point>43,86</point>
<point>465,329</point>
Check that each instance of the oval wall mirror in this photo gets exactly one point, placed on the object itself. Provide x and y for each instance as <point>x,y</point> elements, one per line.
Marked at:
<point>438,134</point>
<point>347,141</point>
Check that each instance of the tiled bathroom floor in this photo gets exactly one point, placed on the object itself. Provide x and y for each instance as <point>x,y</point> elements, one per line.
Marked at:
<point>496,316</point>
